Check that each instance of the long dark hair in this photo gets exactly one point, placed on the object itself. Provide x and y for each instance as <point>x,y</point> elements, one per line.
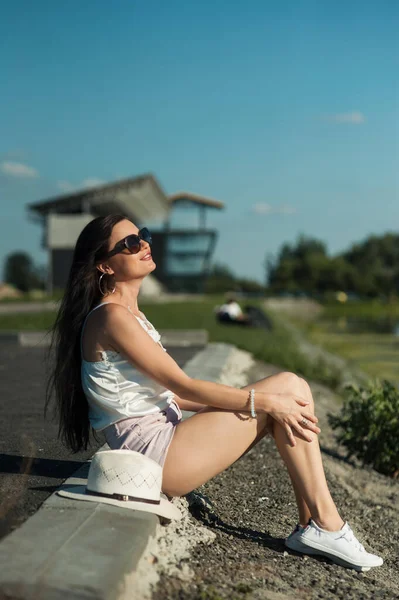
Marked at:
<point>81,295</point>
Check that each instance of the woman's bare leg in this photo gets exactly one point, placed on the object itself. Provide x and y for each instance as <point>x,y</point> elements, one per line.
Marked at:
<point>303,509</point>
<point>206,444</point>
<point>213,439</point>
<point>304,464</point>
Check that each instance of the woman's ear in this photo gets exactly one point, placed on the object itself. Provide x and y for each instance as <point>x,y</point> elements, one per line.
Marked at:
<point>103,268</point>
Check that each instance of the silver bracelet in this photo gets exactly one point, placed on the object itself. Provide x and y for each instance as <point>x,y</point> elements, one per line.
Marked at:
<point>252,403</point>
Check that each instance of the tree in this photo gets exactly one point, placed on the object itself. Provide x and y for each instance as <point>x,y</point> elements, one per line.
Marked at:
<point>369,268</point>
<point>304,247</point>
<point>376,261</point>
<point>220,279</point>
<point>297,266</point>
<point>20,271</point>
<point>250,286</point>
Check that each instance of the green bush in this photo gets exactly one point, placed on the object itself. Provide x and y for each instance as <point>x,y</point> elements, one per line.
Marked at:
<point>369,425</point>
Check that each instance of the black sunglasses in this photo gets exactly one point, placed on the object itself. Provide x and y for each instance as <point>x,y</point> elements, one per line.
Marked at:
<point>132,242</point>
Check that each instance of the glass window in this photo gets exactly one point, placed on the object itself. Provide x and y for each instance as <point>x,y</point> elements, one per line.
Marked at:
<point>188,243</point>
<point>178,265</point>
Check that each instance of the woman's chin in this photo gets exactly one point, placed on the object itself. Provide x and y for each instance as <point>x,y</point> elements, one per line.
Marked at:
<point>149,268</point>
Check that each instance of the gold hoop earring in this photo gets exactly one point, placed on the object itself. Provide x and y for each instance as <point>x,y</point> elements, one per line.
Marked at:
<point>99,285</point>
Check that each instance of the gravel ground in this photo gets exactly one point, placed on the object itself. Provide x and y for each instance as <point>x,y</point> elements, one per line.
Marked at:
<point>250,508</point>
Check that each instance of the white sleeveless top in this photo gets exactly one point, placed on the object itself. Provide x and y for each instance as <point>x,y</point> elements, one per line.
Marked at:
<point>115,389</point>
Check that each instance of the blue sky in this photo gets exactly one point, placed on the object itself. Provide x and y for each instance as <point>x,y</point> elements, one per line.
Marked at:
<point>286,111</point>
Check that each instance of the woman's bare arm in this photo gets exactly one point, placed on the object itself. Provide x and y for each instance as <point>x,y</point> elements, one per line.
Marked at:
<point>128,337</point>
<point>188,404</point>
<point>125,334</point>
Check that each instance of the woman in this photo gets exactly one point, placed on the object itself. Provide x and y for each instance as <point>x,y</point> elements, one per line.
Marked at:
<point>112,374</point>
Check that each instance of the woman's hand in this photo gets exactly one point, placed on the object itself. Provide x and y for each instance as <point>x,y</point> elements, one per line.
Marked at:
<point>290,410</point>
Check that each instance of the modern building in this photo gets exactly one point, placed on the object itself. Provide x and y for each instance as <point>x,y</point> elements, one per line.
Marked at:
<point>182,252</point>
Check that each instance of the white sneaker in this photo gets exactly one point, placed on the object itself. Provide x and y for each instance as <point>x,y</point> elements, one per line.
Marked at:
<point>293,542</point>
<point>342,547</point>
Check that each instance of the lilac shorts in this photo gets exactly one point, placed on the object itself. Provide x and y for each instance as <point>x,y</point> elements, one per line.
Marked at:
<point>149,435</point>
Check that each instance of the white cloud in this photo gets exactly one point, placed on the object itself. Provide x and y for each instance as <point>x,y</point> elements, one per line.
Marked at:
<point>91,182</point>
<point>353,118</point>
<point>17,169</point>
<point>67,186</point>
<point>262,208</point>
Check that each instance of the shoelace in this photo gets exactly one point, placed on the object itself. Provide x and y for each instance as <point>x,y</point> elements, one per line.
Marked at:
<point>352,539</point>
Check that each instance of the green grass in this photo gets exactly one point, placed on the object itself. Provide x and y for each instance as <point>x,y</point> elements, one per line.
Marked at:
<point>373,309</point>
<point>27,321</point>
<point>375,354</point>
<point>31,297</point>
<point>277,346</point>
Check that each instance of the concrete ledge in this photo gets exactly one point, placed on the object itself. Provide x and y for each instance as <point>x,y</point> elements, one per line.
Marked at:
<point>170,337</point>
<point>74,551</point>
<point>184,337</point>
<point>209,362</point>
<point>78,550</point>
<point>14,308</point>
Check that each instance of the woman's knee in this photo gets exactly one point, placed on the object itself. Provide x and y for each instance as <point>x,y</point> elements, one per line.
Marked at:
<point>298,385</point>
<point>290,381</point>
<point>308,392</point>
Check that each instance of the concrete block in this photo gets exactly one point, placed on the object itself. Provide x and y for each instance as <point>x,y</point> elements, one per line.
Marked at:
<point>184,337</point>
<point>36,339</point>
<point>77,550</point>
<point>209,362</point>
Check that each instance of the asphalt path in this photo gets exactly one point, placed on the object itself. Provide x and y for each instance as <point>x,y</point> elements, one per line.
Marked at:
<point>33,462</point>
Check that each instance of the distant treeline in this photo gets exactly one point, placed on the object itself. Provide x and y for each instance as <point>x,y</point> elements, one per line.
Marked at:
<point>368,269</point>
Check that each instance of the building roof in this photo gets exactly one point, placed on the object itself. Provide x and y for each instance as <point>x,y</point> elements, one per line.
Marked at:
<point>140,196</point>
<point>196,199</point>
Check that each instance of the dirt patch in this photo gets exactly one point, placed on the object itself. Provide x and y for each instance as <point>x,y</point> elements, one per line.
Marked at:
<point>251,509</point>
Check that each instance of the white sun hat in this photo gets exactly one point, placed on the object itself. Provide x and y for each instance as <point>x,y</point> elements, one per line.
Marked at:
<point>124,478</point>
